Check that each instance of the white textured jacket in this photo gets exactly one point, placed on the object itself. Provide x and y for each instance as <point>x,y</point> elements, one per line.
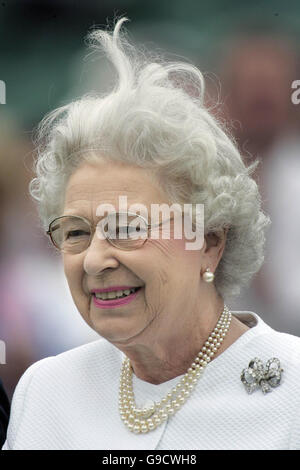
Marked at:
<point>70,401</point>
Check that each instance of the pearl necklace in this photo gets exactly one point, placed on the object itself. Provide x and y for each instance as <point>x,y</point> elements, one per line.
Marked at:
<point>147,419</point>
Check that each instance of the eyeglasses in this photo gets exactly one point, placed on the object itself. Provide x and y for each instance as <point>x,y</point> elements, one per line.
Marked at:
<point>73,234</point>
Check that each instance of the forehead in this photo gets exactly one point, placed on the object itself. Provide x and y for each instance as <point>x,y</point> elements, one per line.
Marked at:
<point>97,183</point>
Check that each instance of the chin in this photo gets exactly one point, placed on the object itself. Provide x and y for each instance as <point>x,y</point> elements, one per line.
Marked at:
<point>115,329</point>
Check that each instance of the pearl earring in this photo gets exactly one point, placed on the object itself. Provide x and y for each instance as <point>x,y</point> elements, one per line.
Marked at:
<point>208,276</point>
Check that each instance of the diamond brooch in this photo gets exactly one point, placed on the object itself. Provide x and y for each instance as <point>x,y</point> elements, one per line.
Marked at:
<point>256,375</point>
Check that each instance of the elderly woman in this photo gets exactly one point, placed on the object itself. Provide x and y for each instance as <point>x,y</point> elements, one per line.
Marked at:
<point>174,368</point>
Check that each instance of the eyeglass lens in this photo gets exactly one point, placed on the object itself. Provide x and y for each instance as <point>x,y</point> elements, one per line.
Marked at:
<point>73,234</point>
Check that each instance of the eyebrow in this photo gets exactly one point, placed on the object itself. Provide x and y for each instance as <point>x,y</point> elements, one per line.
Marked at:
<point>101,216</point>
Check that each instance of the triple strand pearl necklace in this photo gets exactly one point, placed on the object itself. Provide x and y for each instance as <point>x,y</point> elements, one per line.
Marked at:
<point>143,420</point>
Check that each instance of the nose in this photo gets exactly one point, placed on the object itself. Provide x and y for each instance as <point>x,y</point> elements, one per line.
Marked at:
<point>99,256</point>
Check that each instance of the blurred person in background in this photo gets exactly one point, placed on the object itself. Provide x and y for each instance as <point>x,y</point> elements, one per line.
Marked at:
<point>256,77</point>
<point>37,315</point>
<point>4,414</point>
<point>16,328</point>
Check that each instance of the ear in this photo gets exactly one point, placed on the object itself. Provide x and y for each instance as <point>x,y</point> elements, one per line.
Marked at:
<point>214,246</point>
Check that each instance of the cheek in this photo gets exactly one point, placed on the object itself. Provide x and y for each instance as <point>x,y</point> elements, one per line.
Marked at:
<point>171,253</point>
<point>73,269</point>
<point>69,268</point>
<point>186,267</point>
<point>175,273</point>
<point>172,263</point>
<point>189,258</point>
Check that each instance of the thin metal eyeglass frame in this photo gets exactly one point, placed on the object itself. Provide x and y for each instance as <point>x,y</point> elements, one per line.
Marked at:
<point>94,227</point>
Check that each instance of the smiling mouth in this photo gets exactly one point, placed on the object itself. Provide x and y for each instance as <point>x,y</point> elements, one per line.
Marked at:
<point>115,295</point>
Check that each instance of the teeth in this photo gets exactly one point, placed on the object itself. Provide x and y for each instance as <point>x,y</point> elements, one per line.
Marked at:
<point>113,294</point>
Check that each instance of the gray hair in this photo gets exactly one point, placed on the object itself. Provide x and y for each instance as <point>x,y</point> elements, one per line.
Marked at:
<point>151,120</point>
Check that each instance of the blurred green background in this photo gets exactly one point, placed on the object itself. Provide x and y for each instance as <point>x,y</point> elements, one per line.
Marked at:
<point>40,40</point>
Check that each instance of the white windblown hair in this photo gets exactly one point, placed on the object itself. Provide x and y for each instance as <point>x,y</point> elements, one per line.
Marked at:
<point>149,119</point>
